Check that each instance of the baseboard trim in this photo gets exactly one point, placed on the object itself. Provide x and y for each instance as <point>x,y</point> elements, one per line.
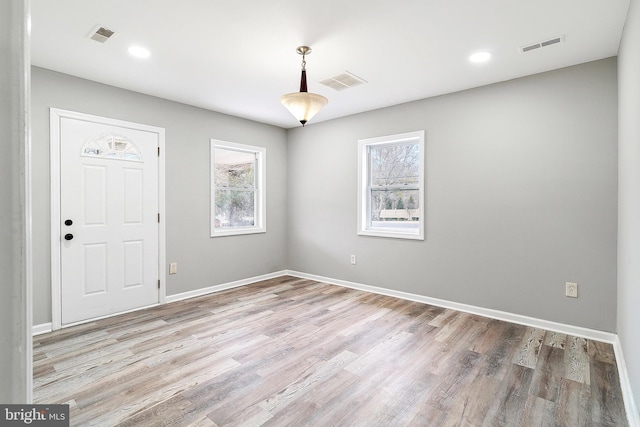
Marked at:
<point>42,328</point>
<point>578,331</point>
<point>607,337</point>
<point>223,286</point>
<point>627,393</point>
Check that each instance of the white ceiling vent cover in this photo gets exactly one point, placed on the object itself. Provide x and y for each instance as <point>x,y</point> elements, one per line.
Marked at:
<point>101,34</point>
<point>342,81</point>
<point>541,44</point>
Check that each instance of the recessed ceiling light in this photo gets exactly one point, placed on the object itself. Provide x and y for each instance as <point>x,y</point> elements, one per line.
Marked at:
<point>139,52</point>
<point>480,57</point>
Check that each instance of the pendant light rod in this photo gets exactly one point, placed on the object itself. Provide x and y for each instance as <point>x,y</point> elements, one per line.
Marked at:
<point>303,50</point>
<point>303,81</point>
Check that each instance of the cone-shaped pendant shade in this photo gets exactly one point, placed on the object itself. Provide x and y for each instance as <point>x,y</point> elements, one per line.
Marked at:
<point>303,105</point>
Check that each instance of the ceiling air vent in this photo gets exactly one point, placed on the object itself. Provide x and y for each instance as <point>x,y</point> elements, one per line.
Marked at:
<point>342,81</point>
<point>101,34</point>
<point>541,44</point>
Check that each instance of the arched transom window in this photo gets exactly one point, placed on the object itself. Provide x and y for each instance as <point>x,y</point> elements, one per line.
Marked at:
<point>111,146</point>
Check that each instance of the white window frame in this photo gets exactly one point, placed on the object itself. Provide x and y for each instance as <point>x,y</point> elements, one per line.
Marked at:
<point>260,186</point>
<point>365,227</point>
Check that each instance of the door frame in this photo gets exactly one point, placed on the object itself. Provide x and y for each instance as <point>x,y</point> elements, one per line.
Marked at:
<point>55,115</point>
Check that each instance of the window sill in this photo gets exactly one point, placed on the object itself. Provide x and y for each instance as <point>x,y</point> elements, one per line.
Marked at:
<point>391,234</point>
<point>238,231</point>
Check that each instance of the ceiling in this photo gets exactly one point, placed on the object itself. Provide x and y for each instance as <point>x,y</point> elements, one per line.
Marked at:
<point>238,57</point>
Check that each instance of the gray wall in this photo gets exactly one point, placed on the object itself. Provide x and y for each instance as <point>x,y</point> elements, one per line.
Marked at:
<point>629,196</point>
<point>202,261</point>
<point>520,191</point>
<point>15,314</point>
<point>520,197</point>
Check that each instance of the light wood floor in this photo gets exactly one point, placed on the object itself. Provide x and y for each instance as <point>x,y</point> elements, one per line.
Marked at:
<point>294,352</point>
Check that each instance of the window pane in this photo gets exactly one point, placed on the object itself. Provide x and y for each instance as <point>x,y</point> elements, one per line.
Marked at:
<point>234,208</point>
<point>238,193</point>
<point>397,164</point>
<point>391,186</point>
<point>397,209</point>
<point>234,168</point>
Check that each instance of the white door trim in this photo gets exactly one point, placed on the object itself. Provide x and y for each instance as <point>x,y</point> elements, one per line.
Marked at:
<point>56,115</point>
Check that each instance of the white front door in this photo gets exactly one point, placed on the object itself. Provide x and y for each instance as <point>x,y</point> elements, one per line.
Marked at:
<point>109,214</point>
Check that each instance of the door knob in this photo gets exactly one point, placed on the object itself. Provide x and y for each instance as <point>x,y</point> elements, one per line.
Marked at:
<point>68,222</point>
<point>68,236</point>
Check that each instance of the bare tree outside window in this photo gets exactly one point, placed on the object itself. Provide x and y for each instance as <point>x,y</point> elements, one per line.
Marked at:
<point>237,188</point>
<point>391,186</point>
<point>394,185</point>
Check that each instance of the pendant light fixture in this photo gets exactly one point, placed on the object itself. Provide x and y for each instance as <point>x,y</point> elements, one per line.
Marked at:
<point>303,105</point>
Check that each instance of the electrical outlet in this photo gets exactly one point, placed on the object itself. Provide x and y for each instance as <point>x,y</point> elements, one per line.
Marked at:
<point>173,268</point>
<point>571,289</point>
<point>353,259</point>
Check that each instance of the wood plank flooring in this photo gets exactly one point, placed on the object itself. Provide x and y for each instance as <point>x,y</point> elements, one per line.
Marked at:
<point>294,352</point>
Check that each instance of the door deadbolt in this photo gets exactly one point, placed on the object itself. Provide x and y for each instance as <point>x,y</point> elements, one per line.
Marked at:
<point>68,236</point>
